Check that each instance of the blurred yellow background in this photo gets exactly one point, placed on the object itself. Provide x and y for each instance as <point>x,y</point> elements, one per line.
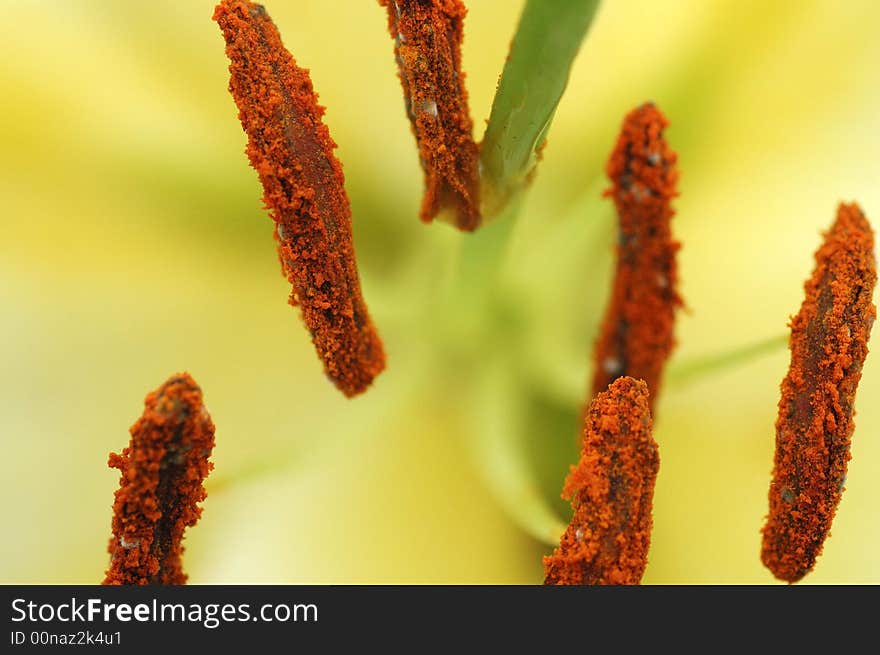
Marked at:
<point>134,245</point>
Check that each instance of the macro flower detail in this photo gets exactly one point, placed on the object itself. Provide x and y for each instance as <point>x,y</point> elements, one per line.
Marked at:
<point>829,337</point>
<point>611,491</point>
<point>427,46</point>
<point>504,231</point>
<point>304,190</point>
<point>637,333</point>
<point>162,471</point>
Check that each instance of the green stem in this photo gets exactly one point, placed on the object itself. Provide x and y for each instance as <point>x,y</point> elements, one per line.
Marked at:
<point>535,75</point>
<point>255,470</point>
<point>469,306</point>
<point>482,256</point>
<point>698,367</point>
<point>498,452</point>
